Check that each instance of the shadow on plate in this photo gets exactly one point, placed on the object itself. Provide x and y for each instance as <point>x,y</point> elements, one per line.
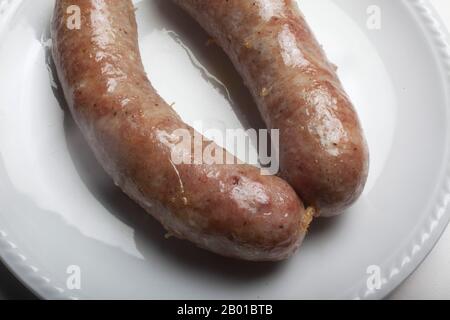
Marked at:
<point>184,29</point>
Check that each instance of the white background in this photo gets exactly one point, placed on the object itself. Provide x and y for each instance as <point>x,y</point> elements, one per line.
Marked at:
<point>432,278</point>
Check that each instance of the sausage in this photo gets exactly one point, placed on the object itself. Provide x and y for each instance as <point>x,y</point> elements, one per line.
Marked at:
<point>232,210</point>
<point>323,152</point>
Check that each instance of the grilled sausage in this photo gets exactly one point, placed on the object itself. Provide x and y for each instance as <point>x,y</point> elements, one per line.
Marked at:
<point>231,210</point>
<point>323,152</point>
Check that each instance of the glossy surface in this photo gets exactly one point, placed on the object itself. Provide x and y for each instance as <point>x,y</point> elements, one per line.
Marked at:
<point>232,210</point>
<point>323,152</point>
<point>60,209</point>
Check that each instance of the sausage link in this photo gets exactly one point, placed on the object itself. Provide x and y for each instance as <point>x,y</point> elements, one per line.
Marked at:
<point>323,152</point>
<point>231,210</point>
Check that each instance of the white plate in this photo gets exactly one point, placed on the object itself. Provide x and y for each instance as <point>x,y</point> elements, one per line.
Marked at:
<point>58,209</point>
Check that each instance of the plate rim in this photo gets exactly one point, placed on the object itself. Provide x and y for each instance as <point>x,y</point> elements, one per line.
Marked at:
<point>422,243</point>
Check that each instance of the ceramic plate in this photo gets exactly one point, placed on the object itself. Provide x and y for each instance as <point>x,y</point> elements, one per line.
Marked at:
<point>67,232</point>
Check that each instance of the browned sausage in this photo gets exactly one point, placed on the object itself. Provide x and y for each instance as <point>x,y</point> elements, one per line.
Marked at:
<point>323,153</point>
<point>232,210</point>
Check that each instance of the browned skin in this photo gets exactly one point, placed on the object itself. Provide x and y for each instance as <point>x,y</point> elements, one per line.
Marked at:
<point>232,210</point>
<point>323,153</point>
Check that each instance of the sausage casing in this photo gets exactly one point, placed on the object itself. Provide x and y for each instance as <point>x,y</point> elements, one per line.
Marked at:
<point>323,152</point>
<point>232,210</point>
